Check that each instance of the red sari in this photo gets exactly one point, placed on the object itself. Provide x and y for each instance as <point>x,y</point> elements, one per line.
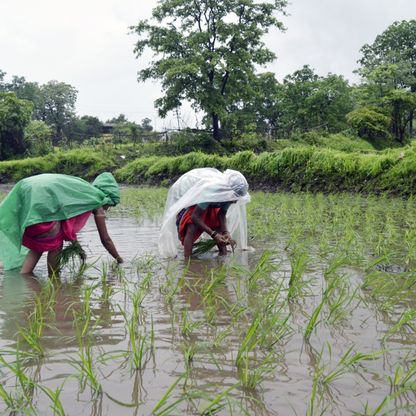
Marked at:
<point>209,216</point>
<point>32,237</point>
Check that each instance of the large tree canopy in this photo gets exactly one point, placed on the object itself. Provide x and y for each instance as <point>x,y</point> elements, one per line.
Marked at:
<point>205,51</point>
<point>15,115</point>
<point>388,68</point>
<point>59,101</point>
<point>396,45</point>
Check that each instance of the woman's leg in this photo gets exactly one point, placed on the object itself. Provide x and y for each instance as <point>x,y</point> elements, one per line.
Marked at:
<point>30,262</point>
<point>53,261</point>
<point>188,241</point>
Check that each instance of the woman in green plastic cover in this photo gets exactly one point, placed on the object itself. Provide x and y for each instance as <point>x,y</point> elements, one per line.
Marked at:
<point>43,211</point>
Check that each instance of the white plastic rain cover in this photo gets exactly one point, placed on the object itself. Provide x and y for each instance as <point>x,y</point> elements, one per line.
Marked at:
<point>205,185</point>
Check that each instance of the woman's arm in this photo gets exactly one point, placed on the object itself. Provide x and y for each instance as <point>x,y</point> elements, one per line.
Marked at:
<point>197,220</point>
<point>107,242</point>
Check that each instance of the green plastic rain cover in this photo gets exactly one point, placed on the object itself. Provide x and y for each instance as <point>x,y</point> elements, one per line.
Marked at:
<point>48,197</point>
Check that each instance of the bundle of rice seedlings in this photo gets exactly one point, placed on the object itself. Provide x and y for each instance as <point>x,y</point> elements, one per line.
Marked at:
<point>203,246</point>
<point>71,252</point>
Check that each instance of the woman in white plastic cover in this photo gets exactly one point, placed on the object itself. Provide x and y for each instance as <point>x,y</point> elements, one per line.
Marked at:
<point>205,200</point>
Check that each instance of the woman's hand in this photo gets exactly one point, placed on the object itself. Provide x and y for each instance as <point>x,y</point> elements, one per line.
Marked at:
<point>119,260</point>
<point>226,234</point>
<point>220,238</point>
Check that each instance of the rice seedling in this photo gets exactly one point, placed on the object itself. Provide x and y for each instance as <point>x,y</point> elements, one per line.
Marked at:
<point>348,362</point>
<point>315,402</point>
<point>336,262</point>
<point>84,363</point>
<point>145,264</point>
<point>216,404</point>
<point>339,300</point>
<point>32,333</point>
<point>162,408</point>
<point>187,325</point>
<point>251,379</point>
<point>72,252</point>
<point>189,351</point>
<point>221,336</point>
<point>138,343</point>
<point>263,268</point>
<point>138,295</point>
<point>216,280</point>
<point>405,321</point>
<point>404,379</point>
<point>19,397</point>
<point>56,406</point>
<point>172,285</point>
<point>107,290</point>
<point>314,318</point>
<point>250,341</point>
<point>203,246</point>
<point>83,316</point>
<point>298,262</point>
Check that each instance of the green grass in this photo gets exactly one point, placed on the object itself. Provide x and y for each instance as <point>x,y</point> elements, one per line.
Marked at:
<point>293,168</point>
<point>325,163</point>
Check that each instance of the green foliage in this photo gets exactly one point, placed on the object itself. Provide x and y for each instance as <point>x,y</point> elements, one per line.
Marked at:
<point>206,52</point>
<point>38,138</point>
<point>337,141</point>
<point>80,162</point>
<point>388,68</point>
<point>295,168</point>
<point>83,128</point>
<point>309,101</point>
<point>15,115</point>
<point>369,123</point>
<point>59,105</point>
<point>394,46</point>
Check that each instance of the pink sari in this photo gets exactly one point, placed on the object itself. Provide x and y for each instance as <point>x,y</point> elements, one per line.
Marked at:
<point>66,231</point>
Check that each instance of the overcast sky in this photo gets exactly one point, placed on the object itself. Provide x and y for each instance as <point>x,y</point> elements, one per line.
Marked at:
<point>87,44</point>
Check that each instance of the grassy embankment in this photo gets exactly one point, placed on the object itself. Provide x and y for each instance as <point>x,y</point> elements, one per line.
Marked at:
<point>294,166</point>
<point>304,168</point>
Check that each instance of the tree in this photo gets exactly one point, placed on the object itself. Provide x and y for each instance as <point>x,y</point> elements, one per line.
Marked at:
<point>205,51</point>
<point>309,101</point>
<point>15,115</point>
<point>37,136</point>
<point>59,105</point>
<point>369,123</point>
<point>26,90</point>
<point>120,119</point>
<point>146,126</point>
<point>396,45</point>
<point>402,106</point>
<point>2,83</point>
<point>260,113</point>
<point>394,48</point>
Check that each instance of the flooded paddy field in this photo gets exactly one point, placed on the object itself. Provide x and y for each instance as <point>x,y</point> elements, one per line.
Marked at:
<point>319,318</point>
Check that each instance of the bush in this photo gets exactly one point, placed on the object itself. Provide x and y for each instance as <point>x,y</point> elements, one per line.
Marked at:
<point>297,168</point>
<point>38,138</point>
<point>80,162</point>
<point>369,123</point>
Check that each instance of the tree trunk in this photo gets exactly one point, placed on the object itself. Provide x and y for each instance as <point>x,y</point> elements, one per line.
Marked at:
<point>216,131</point>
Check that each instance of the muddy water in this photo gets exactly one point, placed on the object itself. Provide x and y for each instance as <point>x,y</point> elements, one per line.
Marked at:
<point>287,383</point>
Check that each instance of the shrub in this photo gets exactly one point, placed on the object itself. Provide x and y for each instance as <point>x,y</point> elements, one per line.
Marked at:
<point>369,123</point>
